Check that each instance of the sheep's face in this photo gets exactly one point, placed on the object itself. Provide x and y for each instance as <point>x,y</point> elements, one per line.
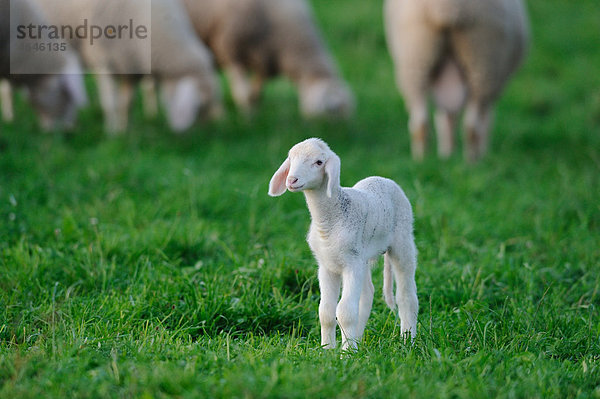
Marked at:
<point>328,97</point>
<point>187,98</point>
<point>56,98</point>
<point>310,165</point>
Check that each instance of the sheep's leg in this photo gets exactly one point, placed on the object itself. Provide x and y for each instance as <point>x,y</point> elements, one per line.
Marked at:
<point>403,259</point>
<point>365,304</point>
<point>241,87</point>
<point>6,99</point>
<point>125,97</point>
<point>149,98</point>
<point>485,136</point>
<point>347,311</point>
<point>445,123</point>
<point>256,89</point>
<point>449,92</point>
<point>418,129</point>
<point>486,69</point>
<point>416,55</point>
<point>477,123</point>
<point>329,284</point>
<point>109,99</point>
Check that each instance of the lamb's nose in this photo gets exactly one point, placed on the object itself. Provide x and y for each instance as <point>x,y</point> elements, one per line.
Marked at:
<point>291,180</point>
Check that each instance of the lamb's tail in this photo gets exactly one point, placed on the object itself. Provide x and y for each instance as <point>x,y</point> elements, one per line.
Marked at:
<point>388,286</point>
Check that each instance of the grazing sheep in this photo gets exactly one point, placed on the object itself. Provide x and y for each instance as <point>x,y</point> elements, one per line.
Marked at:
<point>180,63</point>
<point>461,50</point>
<point>56,97</point>
<point>351,228</point>
<point>256,39</point>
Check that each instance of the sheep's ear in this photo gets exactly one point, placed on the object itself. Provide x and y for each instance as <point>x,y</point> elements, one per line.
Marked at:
<point>277,183</point>
<point>332,170</point>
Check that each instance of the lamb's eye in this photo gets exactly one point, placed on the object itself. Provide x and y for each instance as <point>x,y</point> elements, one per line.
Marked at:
<point>319,163</point>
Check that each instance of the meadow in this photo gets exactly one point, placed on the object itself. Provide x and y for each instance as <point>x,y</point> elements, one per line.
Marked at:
<point>155,265</point>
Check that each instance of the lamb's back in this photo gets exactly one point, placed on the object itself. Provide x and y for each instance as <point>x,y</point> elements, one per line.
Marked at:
<point>387,205</point>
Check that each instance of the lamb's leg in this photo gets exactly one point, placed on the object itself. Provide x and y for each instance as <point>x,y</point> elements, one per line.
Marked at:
<point>388,285</point>
<point>109,99</point>
<point>403,259</point>
<point>365,304</point>
<point>241,87</point>
<point>6,100</point>
<point>477,123</point>
<point>347,311</point>
<point>329,284</point>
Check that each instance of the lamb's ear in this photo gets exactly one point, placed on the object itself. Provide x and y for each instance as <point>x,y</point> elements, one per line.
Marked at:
<point>277,183</point>
<point>332,170</point>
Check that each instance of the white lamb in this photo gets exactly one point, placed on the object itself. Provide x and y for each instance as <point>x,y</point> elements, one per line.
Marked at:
<point>350,229</point>
<point>254,40</point>
<point>461,50</point>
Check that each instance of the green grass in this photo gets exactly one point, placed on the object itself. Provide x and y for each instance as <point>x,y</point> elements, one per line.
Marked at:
<point>156,266</point>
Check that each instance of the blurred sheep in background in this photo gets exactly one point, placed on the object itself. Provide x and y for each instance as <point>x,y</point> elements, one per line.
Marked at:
<point>180,63</point>
<point>55,97</point>
<point>254,40</point>
<point>463,51</point>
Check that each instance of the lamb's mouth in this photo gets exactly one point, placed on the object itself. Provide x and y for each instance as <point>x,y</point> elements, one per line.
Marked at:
<point>292,188</point>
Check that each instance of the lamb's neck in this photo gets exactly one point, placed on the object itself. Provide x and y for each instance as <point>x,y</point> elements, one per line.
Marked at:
<point>324,211</point>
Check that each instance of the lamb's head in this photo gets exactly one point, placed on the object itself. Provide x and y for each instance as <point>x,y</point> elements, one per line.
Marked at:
<point>310,165</point>
<point>326,97</point>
